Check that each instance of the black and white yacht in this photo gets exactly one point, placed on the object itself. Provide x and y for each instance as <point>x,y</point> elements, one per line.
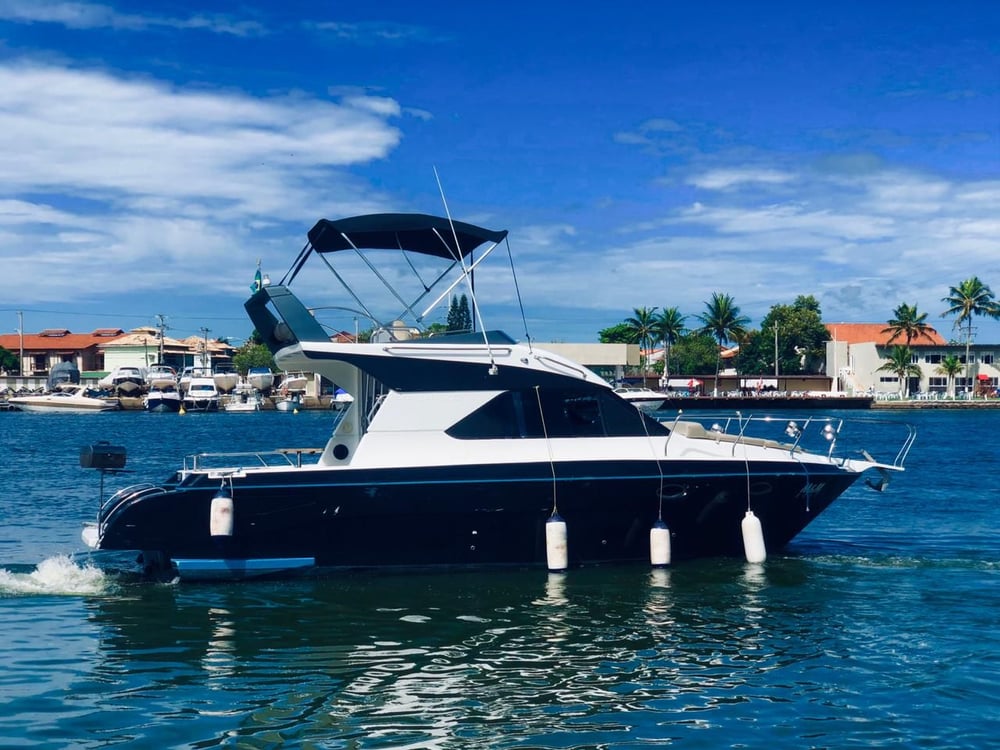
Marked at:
<point>471,450</point>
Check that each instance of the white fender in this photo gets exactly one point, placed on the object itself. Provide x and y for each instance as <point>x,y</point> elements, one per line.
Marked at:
<point>753,538</point>
<point>556,548</point>
<point>220,521</point>
<point>659,544</point>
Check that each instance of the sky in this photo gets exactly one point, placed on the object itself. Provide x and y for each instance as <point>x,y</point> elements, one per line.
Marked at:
<point>646,154</point>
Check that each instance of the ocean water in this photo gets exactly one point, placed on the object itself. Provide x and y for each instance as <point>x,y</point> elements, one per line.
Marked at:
<point>878,627</point>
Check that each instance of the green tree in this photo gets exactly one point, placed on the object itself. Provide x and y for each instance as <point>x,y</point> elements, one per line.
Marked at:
<point>252,355</point>
<point>435,329</point>
<point>643,327</point>
<point>967,300</point>
<point>900,363</point>
<point>668,326</point>
<point>908,323</point>
<point>800,340</point>
<point>950,366</point>
<point>693,354</point>
<point>8,360</point>
<point>722,320</point>
<point>459,319</point>
<point>620,333</point>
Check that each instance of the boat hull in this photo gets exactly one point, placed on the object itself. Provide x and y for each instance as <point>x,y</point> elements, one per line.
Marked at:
<point>163,404</point>
<point>482,515</point>
<point>62,406</point>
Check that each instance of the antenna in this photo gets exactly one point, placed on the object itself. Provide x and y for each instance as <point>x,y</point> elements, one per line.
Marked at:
<point>461,259</point>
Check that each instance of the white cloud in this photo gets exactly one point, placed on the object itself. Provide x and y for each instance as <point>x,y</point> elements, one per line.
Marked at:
<point>861,246</point>
<point>82,15</point>
<point>725,179</point>
<point>107,180</point>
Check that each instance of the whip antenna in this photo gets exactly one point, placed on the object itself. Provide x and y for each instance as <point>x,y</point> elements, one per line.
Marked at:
<point>465,272</point>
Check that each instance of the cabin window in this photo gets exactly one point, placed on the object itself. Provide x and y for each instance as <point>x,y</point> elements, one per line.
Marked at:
<point>568,413</point>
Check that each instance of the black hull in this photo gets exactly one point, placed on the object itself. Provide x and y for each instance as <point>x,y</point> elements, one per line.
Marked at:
<point>476,515</point>
<point>163,406</point>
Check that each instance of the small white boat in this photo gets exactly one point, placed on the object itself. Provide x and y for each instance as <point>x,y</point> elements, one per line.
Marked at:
<point>260,378</point>
<point>161,376</point>
<point>201,395</point>
<point>294,381</point>
<point>162,397</point>
<point>341,400</point>
<point>226,380</point>
<point>243,399</point>
<point>72,401</point>
<point>642,397</point>
<point>189,373</point>
<point>127,381</point>
<point>288,403</point>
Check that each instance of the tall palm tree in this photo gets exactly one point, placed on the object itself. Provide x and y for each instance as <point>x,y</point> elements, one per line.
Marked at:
<point>669,327</point>
<point>950,365</point>
<point>642,326</point>
<point>970,298</point>
<point>908,323</point>
<point>900,364</point>
<point>723,321</point>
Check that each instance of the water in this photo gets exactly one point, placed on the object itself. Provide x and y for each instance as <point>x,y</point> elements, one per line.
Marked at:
<point>877,628</point>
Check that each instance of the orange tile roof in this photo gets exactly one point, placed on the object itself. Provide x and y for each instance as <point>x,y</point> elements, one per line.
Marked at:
<point>64,341</point>
<point>863,333</point>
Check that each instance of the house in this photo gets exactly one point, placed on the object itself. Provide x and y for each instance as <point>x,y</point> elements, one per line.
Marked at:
<point>856,351</point>
<point>99,352</point>
<point>39,352</point>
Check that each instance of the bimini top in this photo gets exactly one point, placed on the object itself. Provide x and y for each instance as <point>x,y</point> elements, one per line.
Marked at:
<point>419,233</point>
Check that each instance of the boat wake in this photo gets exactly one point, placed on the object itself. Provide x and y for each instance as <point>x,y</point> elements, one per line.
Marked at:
<point>56,575</point>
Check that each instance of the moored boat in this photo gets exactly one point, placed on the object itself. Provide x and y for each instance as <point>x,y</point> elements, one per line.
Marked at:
<point>226,379</point>
<point>201,394</point>
<point>260,378</point>
<point>67,400</point>
<point>473,450</point>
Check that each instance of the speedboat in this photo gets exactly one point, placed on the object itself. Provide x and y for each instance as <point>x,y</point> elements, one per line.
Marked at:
<point>125,380</point>
<point>244,398</point>
<point>162,397</point>
<point>226,379</point>
<point>471,450</point>
<point>74,400</point>
<point>201,394</point>
<point>293,381</point>
<point>640,396</point>
<point>260,378</point>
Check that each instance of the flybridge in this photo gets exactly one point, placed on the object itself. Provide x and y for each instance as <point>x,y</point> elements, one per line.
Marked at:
<point>420,235</point>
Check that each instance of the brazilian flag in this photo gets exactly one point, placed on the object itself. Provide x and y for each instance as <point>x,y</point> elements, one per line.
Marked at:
<point>257,281</point>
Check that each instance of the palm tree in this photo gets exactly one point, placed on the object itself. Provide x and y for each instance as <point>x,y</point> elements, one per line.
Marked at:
<point>722,320</point>
<point>950,365</point>
<point>642,326</point>
<point>908,323</point>
<point>970,298</point>
<point>900,364</point>
<point>669,327</point>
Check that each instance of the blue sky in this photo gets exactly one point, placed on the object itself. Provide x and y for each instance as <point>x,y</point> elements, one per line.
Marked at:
<point>640,154</point>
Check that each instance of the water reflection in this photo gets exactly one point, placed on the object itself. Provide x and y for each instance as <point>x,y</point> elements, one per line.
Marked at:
<point>508,659</point>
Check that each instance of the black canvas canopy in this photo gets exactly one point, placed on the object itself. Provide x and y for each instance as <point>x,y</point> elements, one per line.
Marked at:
<point>419,233</point>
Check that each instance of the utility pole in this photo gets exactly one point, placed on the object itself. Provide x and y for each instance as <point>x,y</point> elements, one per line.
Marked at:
<point>20,335</point>
<point>161,325</point>
<point>204,356</point>
<point>776,351</point>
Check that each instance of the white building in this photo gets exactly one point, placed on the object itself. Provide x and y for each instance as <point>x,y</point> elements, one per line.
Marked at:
<point>856,351</point>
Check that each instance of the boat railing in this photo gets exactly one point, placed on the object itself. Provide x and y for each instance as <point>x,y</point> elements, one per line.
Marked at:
<point>814,433</point>
<point>242,459</point>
